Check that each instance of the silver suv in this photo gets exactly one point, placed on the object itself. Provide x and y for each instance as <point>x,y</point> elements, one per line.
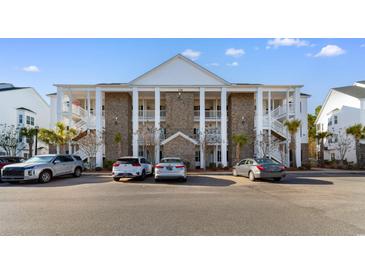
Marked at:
<point>43,168</point>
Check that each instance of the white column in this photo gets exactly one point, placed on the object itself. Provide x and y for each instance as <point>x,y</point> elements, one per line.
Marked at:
<point>59,116</point>
<point>287,132</point>
<point>70,118</point>
<point>59,105</point>
<point>202,126</point>
<point>224,127</point>
<point>259,118</point>
<point>362,111</point>
<point>270,121</point>
<point>135,122</point>
<point>157,124</point>
<point>98,126</point>
<point>298,143</point>
<point>88,108</point>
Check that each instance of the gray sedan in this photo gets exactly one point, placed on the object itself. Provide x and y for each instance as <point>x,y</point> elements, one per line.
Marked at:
<point>43,168</point>
<point>259,169</point>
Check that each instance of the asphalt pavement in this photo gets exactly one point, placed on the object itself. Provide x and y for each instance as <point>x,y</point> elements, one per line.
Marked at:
<point>314,204</point>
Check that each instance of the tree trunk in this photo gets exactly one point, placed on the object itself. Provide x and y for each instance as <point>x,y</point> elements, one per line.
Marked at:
<point>294,151</point>
<point>30,144</point>
<point>357,144</point>
<point>237,153</point>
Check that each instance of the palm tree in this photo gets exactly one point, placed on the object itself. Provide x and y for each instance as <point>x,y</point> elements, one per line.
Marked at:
<point>293,126</point>
<point>321,136</point>
<point>239,140</point>
<point>59,136</point>
<point>358,132</point>
<point>29,134</point>
<point>118,140</point>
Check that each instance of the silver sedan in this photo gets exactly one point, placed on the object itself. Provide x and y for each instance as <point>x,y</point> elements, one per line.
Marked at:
<point>259,169</point>
<point>171,168</point>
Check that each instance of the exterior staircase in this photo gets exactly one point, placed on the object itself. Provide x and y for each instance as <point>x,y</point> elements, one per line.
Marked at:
<point>278,130</point>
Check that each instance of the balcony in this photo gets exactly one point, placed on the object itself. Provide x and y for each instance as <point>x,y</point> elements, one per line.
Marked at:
<point>149,115</point>
<point>209,115</point>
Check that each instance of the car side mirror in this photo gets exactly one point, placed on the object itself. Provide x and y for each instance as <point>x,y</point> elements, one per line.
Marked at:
<point>56,161</point>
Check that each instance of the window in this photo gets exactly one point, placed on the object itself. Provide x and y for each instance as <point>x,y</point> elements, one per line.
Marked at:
<point>143,160</point>
<point>333,156</point>
<point>219,156</point>
<point>20,119</point>
<point>66,158</point>
<point>32,121</point>
<point>335,120</point>
<point>329,121</point>
<point>28,120</point>
<point>197,155</point>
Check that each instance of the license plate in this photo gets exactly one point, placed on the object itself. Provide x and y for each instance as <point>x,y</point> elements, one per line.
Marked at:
<point>169,168</point>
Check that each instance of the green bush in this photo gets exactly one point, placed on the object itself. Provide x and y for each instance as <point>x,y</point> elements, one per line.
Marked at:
<point>108,164</point>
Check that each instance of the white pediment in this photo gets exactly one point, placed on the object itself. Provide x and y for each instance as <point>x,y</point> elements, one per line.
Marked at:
<point>177,134</point>
<point>179,71</point>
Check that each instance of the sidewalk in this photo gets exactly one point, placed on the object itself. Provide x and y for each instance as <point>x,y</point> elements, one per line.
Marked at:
<point>306,172</point>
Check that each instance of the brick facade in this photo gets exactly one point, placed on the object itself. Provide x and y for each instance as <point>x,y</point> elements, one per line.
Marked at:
<point>180,147</point>
<point>118,105</point>
<point>241,105</point>
<point>305,154</point>
<point>179,113</point>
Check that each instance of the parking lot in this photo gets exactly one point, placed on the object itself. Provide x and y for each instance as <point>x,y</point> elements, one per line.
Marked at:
<point>311,204</point>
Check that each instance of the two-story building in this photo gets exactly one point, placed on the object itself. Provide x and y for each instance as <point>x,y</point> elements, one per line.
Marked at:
<point>342,108</point>
<point>23,107</point>
<point>188,111</point>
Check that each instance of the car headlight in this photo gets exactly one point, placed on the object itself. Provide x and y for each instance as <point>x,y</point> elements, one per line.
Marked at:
<point>29,171</point>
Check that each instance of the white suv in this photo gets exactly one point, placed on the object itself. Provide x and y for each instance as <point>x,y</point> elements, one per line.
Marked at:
<point>131,167</point>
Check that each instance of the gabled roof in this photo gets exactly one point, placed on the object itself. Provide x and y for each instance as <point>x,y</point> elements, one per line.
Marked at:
<point>184,63</point>
<point>26,109</point>
<point>179,133</point>
<point>355,91</point>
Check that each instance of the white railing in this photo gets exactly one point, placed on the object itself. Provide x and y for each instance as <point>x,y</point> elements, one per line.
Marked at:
<point>282,110</point>
<point>275,125</point>
<point>209,114</point>
<point>146,114</point>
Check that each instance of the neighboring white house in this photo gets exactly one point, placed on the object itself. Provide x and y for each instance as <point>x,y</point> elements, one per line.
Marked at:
<point>23,107</point>
<point>342,108</point>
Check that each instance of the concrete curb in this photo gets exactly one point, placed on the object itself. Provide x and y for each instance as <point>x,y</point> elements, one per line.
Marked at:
<point>304,172</point>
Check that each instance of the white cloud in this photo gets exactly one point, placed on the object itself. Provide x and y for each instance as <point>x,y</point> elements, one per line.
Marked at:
<point>309,54</point>
<point>31,69</point>
<point>233,64</point>
<point>256,48</point>
<point>287,42</point>
<point>214,64</point>
<point>235,52</point>
<point>329,51</point>
<point>362,46</point>
<point>192,54</point>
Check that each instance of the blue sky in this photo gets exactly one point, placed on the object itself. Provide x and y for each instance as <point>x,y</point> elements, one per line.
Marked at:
<point>318,64</point>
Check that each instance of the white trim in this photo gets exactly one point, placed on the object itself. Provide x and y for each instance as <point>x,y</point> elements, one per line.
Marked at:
<point>135,122</point>
<point>157,124</point>
<point>179,56</point>
<point>179,133</point>
<point>224,127</point>
<point>98,125</point>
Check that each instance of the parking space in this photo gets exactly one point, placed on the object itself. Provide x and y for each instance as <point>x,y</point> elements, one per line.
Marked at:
<point>318,204</point>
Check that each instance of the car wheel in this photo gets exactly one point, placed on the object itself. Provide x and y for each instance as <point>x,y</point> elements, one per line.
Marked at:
<point>251,176</point>
<point>143,176</point>
<point>77,172</point>
<point>45,177</point>
<point>184,179</point>
<point>234,172</point>
<point>157,180</point>
<point>116,179</point>
<point>277,179</point>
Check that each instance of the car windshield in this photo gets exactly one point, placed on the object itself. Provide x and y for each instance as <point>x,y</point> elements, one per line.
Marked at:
<point>171,160</point>
<point>265,161</point>
<point>37,159</point>
<point>128,161</point>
